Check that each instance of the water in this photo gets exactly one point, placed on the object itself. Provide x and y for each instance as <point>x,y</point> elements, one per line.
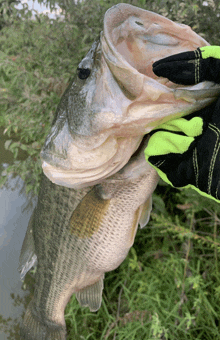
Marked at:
<point>15,211</point>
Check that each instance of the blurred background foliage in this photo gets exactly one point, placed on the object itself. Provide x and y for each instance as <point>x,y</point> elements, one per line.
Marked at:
<point>169,285</point>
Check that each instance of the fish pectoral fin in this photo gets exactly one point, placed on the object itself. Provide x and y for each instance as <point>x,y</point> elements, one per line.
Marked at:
<point>87,216</point>
<point>145,214</point>
<point>27,258</point>
<point>91,296</point>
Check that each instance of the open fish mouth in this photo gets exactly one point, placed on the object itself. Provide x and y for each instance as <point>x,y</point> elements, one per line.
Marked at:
<point>116,99</point>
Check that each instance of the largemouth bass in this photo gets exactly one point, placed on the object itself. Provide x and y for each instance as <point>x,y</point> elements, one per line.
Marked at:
<point>98,186</point>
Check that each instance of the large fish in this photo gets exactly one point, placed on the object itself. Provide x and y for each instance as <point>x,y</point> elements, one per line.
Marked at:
<point>98,186</point>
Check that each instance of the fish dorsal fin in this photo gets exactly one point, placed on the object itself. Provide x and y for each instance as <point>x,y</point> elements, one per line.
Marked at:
<point>145,214</point>
<point>91,296</point>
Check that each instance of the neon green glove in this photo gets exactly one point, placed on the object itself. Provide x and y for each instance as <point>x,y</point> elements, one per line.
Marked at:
<point>186,151</point>
<point>191,67</point>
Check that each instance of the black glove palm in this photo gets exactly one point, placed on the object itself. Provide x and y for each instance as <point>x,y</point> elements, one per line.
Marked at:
<point>191,67</point>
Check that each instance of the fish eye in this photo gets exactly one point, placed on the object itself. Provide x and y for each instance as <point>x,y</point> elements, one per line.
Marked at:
<point>83,73</point>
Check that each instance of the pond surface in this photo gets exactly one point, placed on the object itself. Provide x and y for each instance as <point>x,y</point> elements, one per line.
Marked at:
<point>15,211</point>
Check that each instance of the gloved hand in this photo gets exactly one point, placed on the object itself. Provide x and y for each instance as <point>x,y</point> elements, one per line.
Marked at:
<point>191,67</point>
<point>186,151</point>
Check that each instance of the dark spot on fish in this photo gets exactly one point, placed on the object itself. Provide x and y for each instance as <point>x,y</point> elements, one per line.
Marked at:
<point>139,23</point>
<point>83,73</point>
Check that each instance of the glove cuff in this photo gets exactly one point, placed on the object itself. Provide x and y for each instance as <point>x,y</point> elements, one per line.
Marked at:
<point>209,51</point>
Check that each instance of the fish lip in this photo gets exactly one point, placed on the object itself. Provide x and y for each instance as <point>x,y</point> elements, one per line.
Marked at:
<point>56,161</point>
<point>58,170</point>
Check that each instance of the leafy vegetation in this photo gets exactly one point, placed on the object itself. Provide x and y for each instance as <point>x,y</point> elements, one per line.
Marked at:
<point>169,285</point>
